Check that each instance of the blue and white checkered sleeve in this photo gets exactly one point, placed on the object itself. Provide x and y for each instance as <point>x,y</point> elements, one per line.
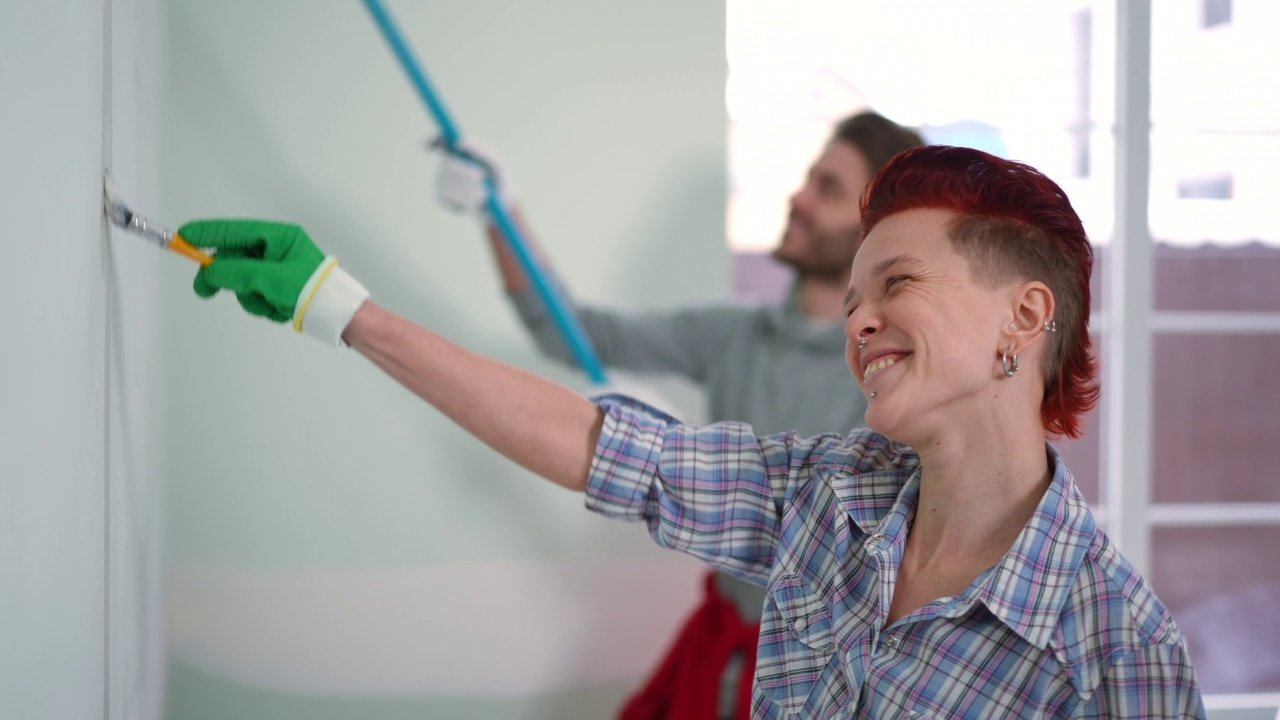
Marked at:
<point>716,492</point>
<point>1155,681</point>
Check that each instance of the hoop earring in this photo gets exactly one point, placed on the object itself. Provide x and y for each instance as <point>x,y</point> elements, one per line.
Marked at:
<point>1009,369</point>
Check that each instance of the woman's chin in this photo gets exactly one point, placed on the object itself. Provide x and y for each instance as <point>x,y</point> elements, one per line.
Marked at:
<point>879,421</point>
<point>885,421</point>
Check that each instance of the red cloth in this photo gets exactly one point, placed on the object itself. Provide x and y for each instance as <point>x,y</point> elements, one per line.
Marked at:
<point>686,686</point>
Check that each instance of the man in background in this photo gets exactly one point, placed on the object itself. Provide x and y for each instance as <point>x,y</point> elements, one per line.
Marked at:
<point>773,367</point>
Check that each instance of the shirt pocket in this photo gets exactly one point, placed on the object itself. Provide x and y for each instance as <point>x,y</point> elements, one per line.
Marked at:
<point>797,644</point>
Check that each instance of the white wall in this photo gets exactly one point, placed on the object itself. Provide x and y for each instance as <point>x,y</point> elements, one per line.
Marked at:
<point>79,491</point>
<point>338,548</point>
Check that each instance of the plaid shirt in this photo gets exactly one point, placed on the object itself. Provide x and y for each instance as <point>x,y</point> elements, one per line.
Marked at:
<point>1061,627</point>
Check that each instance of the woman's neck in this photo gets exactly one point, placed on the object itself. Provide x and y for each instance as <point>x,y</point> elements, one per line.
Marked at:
<point>979,488</point>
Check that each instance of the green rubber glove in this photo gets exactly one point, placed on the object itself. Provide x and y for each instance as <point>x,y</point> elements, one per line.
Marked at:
<point>276,272</point>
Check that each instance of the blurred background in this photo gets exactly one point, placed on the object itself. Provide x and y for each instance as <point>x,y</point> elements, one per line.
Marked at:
<point>205,517</point>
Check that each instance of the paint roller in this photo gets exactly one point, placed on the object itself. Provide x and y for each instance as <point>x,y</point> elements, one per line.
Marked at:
<point>565,320</point>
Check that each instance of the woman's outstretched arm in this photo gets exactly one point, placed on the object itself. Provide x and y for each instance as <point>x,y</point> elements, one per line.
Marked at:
<point>539,424</point>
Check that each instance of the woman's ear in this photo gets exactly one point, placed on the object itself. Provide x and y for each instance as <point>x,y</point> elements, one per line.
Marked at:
<point>1032,311</point>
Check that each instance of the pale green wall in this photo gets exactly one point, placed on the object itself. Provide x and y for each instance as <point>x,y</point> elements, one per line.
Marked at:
<point>80,495</point>
<point>292,464</point>
<point>52,489</point>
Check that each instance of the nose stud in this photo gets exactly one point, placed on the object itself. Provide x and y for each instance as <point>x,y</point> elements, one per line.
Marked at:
<point>862,342</point>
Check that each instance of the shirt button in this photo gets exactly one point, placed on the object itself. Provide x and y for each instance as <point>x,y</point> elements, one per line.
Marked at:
<point>877,538</point>
<point>891,642</point>
<point>801,624</point>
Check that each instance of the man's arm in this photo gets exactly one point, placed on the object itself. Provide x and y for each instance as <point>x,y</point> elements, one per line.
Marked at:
<point>514,279</point>
<point>679,342</point>
<point>683,342</point>
<point>463,186</point>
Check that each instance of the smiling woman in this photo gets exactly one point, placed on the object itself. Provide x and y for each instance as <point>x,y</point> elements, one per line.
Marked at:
<point>951,286</point>
<point>940,564</point>
<point>991,225</point>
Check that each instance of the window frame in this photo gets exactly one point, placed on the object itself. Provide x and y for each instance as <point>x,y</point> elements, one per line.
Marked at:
<point>1128,323</point>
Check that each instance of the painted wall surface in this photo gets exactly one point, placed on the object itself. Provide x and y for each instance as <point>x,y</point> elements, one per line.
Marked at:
<point>337,548</point>
<point>80,497</point>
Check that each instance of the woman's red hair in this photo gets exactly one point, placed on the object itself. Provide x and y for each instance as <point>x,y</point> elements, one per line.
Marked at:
<point>1014,223</point>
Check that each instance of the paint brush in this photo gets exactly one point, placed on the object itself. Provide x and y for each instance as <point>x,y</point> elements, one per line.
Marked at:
<point>123,217</point>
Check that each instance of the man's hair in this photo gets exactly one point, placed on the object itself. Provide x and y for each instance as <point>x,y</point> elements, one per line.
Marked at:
<point>877,137</point>
<point>1014,224</point>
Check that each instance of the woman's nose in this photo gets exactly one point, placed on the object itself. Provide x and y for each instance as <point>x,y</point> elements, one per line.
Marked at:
<point>860,325</point>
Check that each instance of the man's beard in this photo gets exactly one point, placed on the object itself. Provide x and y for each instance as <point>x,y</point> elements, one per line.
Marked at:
<point>829,255</point>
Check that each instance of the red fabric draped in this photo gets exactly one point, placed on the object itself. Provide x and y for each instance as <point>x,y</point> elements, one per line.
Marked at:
<point>686,686</point>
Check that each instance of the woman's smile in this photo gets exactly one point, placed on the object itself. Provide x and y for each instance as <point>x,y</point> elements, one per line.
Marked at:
<point>881,362</point>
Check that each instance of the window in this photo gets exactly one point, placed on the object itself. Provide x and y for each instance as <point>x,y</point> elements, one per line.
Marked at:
<point>1215,171</point>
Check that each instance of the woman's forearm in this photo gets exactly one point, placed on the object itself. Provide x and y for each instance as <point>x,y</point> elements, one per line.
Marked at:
<point>541,425</point>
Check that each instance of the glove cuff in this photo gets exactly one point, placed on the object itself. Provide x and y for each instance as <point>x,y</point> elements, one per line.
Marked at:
<point>328,302</point>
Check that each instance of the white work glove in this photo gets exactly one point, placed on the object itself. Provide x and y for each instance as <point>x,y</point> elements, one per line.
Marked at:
<point>461,184</point>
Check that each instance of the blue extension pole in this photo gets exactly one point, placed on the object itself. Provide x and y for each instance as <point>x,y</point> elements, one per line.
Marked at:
<point>564,319</point>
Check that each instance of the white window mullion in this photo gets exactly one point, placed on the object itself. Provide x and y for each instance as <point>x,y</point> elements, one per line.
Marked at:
<point>1201,322</point>
<point>1215,323</point>
<point>1214,514</point>
<point>1127,452</point>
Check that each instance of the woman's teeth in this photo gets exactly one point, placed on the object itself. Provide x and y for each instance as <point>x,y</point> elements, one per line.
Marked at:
<point>877,366</point>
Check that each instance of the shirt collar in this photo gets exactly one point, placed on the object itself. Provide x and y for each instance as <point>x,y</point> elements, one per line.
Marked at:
<point>869,496</point>
<point>1028,588</point>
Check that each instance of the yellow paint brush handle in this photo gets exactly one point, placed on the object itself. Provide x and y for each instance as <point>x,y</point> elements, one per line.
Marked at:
<point>182,247</point>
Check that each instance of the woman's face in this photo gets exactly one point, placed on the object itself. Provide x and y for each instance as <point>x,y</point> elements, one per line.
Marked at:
<point>933,334</point>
